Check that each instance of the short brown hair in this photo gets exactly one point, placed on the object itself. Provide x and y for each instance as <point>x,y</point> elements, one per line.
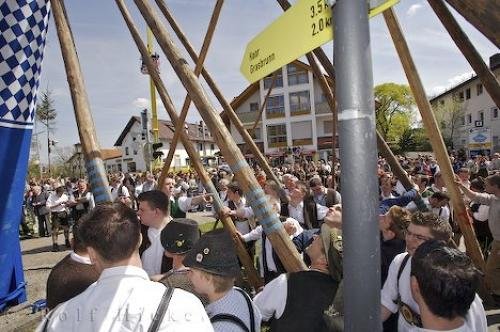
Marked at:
<point>400,218</point>
<point>113,230</point>
<point>440,229</point>
<point>221,283</point>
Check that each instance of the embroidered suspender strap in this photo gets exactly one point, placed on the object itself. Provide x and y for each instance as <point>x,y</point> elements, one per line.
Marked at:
<point>230,318</point>
<point>400,271</point>
<point>162,309</point>
<point>250,309</point>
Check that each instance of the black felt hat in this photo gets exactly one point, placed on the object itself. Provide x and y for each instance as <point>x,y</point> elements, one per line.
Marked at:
<point>214,253</point>
<point>180,235</point>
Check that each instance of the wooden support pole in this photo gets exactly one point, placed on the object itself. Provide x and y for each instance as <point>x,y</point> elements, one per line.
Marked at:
<point>224,103</point>
<point>86,130</point>
<point>187,101</point>
<point>263,106</point>
<point>484,15</point>
<point>247,262</point>
<point>435,137</point>
<point>468,50</point>
<point>253,192</point>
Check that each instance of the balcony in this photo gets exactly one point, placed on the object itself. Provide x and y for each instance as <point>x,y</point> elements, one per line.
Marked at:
<point>248,117</point>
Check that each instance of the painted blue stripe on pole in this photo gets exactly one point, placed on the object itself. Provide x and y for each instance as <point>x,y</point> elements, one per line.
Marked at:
<point>98,181</point>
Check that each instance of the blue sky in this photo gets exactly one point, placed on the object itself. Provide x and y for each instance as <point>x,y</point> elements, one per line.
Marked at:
<point>117,90</point>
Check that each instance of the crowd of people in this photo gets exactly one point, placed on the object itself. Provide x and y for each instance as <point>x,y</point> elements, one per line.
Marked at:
<point>141,263</point>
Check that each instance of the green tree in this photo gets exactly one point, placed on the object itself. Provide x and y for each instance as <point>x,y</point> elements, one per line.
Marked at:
<point>46,114</point>
<point>449,116</point>
<point>393,111</point>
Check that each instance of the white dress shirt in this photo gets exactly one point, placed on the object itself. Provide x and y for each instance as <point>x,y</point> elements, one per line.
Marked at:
<point>152,257</point>
<point>124,299</point>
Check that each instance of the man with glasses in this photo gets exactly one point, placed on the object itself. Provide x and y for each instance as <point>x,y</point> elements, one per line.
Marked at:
<point>396,294</point>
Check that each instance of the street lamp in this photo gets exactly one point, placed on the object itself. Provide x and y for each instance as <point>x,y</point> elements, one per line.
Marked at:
<point>78,151</point>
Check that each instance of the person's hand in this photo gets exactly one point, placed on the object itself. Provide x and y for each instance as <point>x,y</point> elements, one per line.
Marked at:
<point>208,197</point>
<point>333,217</point>
<point>290,228</point>
<point>225,211</point>
<point>458,182</point>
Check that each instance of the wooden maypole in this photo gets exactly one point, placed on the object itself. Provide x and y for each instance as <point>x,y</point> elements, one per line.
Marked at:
<point>244,174</point>
<point>86,129</point>
<point>247,262</point>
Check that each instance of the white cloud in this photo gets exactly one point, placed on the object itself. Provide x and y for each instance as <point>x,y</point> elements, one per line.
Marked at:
<point>413,9</point>
<point>141,102</point>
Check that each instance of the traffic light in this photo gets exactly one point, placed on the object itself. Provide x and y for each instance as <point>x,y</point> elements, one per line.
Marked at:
<point>157,154</point>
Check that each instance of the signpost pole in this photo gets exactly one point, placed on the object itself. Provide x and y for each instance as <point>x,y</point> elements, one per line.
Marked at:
<point>358,152</point>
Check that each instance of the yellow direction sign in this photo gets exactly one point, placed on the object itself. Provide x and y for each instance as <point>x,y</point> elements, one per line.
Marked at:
<point>302,28</point>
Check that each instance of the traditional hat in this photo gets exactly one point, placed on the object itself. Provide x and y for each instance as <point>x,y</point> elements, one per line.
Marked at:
<point>180,235</point>
<point>332,242</point>
<point>214,253</point>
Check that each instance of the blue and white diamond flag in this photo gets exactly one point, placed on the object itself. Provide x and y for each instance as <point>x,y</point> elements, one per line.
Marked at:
<point>23,27</point>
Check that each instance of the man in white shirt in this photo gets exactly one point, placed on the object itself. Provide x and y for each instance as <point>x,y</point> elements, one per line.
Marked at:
<point>154,215</point>
<point>302,207</point>
<point>59,215</point>
<point>444,283</point>
<point>396,294</point>
<point>123,298</point>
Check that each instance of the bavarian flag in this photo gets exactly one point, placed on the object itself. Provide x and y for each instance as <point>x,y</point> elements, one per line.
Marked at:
<point>23,27</point>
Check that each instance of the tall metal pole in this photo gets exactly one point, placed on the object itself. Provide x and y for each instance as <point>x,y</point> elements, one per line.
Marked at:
<point>358,152</point>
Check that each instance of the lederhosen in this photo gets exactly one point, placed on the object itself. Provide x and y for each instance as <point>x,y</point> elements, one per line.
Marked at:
<point>405,310</point>
<point>270,275</point>
<point>77,214</point>
<point>236,320</point>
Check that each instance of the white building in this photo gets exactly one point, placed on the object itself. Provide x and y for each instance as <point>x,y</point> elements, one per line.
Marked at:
<point>478,113</point>
<point>132,142</point>
<point>296,117</point>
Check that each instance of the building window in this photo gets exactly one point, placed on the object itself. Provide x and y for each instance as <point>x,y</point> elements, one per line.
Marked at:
<point>469,118</point>
<point>275,106</point>
<point>279,80</point>
<point>300,103</point>
<point>301,133</point>
<point>494,113</point>
<point>479,89</point>
<point>481,116</point>
<point>495,142</point>
<point>254,107</point>
<point>296,75</point>
<point>135,152</point>
<point>461,96</point>
<point>276,135</point>
<point>328,127</point>
<point>200,147</point>
<point>467,93</point>
<point>212,147</point>
<point>256,134</point>
<point>441,102</point>
<point>126,150</point>
<point>462,120</point>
